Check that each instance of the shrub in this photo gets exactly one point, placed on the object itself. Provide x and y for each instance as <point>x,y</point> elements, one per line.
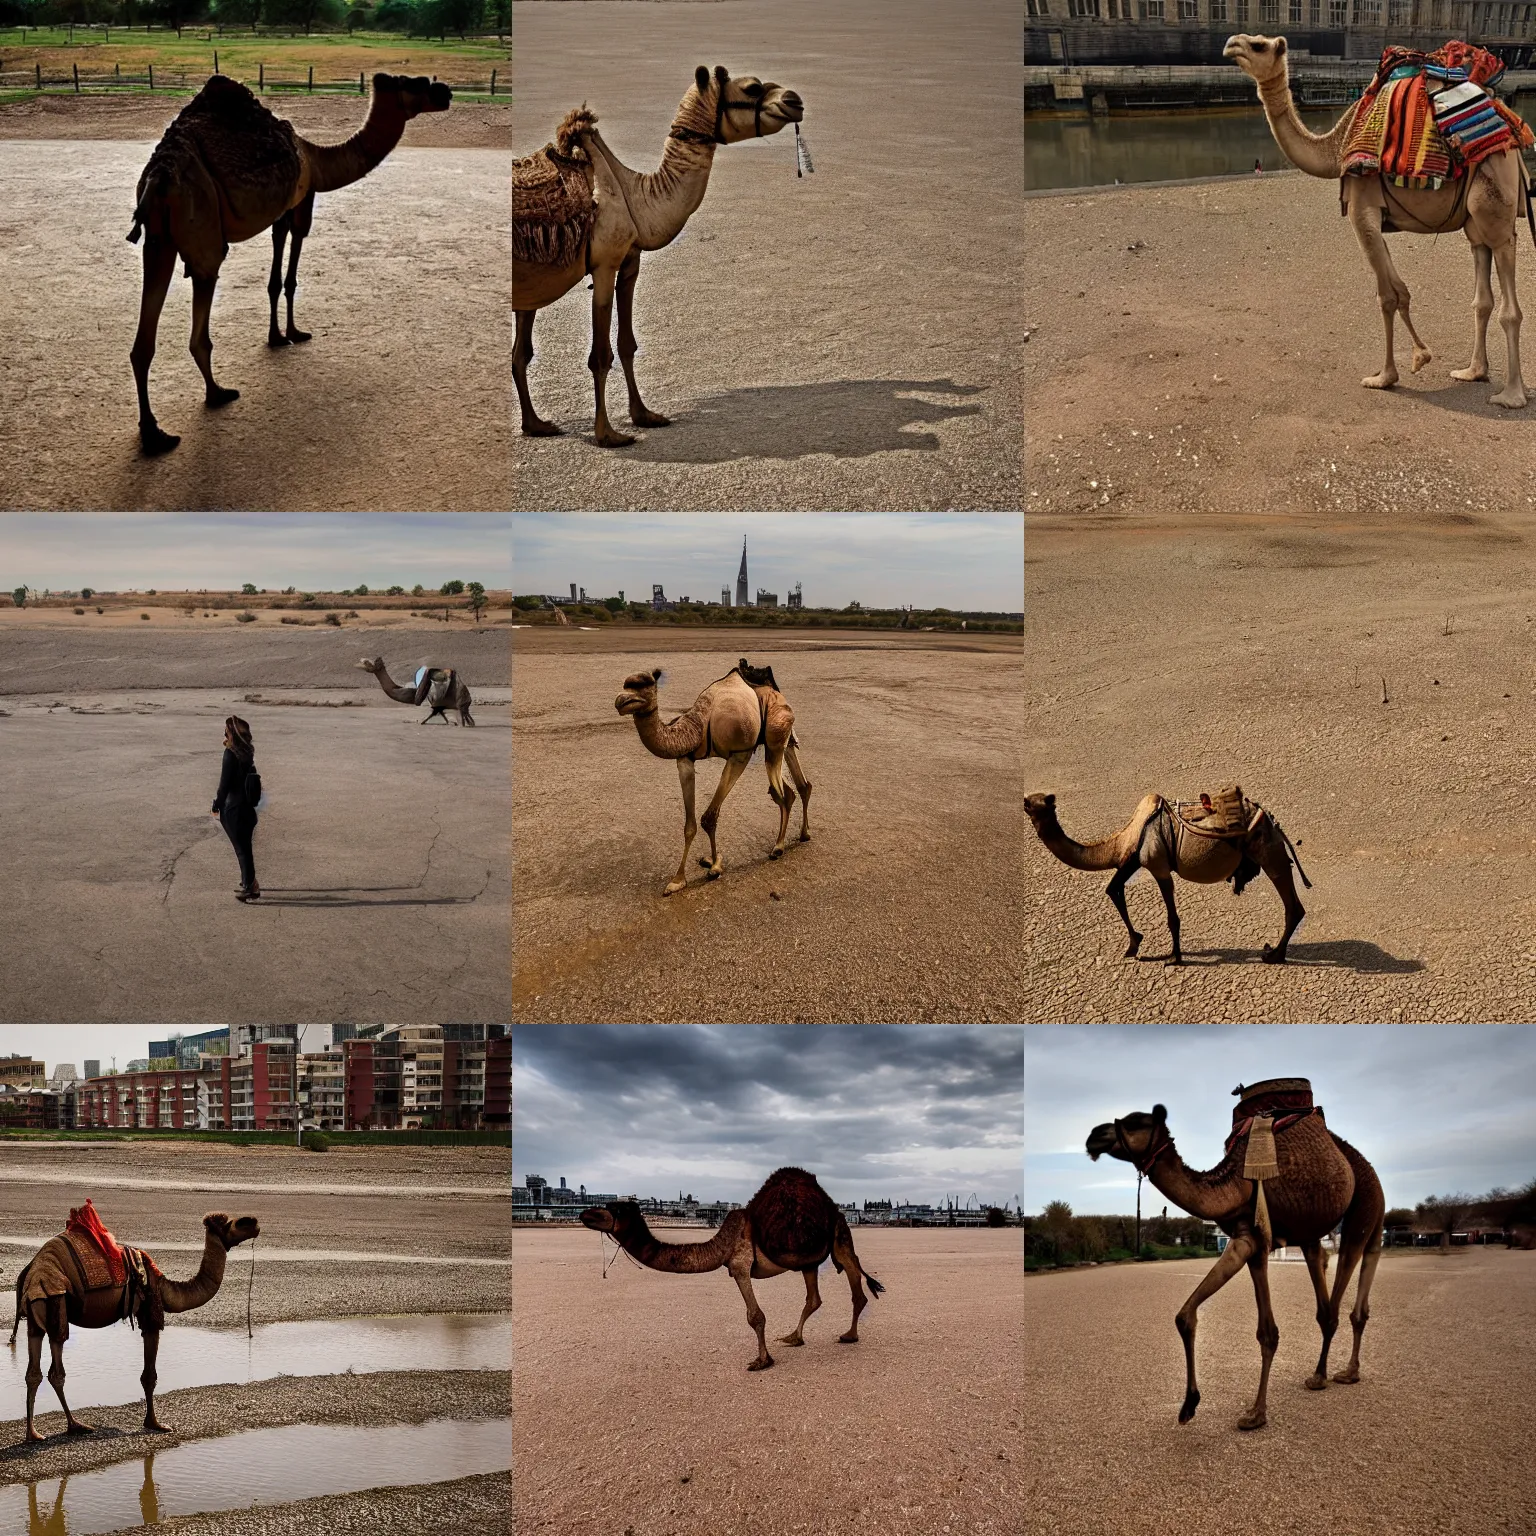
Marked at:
<point>352,613</point>
<point>248,589</point>
<point>80,612</point>
<point>85,594</point>
<point>143,615</point>
<point>333,618</point>
<point>101,610</point>
<point>396,592</point>
<point>19,597</point>
<point>451,589</point>
<point>316,1141</point>
<point>245,618</point>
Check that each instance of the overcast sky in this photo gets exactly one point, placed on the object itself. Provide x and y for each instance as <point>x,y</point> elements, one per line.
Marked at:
<point>930,560</point>
<point>876,1112</point>
<point>1434,1108</point>
<point>74,1043</point>
<point>189,551</point>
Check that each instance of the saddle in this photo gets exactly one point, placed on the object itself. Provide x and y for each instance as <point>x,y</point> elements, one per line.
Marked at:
<point>553,208</point>
<point>1227,815</point>
<point>1263,1111</point>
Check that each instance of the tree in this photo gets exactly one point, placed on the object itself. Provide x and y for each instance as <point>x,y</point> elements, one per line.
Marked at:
<point>86,593</point>
<point>417,590</point>
<point>360,590</point>
<point>476,599</point>
<point>396,592</point>
<point>1398,1216</point>
<point>451,589</point>
<point>19,597</point>
<point>249,589</point>
<point>614,604</point>
<point>457,15</point>
<point>528,602</point>
<point>1443,1214</point>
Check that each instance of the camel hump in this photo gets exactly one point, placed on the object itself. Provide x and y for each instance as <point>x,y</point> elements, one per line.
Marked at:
<point>757,676</point>
<point>553,205</point>
<point>577,121</point>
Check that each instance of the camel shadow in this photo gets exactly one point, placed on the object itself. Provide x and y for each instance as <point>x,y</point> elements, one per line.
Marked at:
<point>848,418</point>
<point>1466,398</point>
<point>24,1452</point>
<point>337,896</point>
<point>1358,955</point>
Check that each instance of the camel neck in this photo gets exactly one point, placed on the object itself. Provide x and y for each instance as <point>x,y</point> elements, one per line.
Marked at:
<point>661,202</point>
<point>681,737</point>
<point>1210,1196</point>
<point>1104,854</point>
<point>1320,155</point>
<point>678,1258</point>
<point>186,1295</point>
<point>339,165</point>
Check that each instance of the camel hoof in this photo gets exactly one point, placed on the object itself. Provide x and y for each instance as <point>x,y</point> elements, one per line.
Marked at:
<point>1510,399</point>
<point>218,396</point>
<point>298,337</point>
<point>675,887</point>
<point>714,871</point>
<point>1252,1421</point>
<point>537,428</point>
<point>1187,1411</point>
<point>1421,357</point>
<point>155,1427</point>
<point>153,441</point>
<point>761,1365</point>
<point>792,1341</point>
<point>77,1428</point>
<point>1174,960</point>
<point>1380,381</point>
<point>1470,375</point>
<point>277,339</point>
<point>777,853</point>
<point>1272,956</point>
<point>805,837</point>
<point>847,1338</point>
<point>33,1438</point>
<point>1316,1382</point>
<point>614,440</point>
<point>1132,947</point>
<point>1347,1377</point>
<point>650,419</point>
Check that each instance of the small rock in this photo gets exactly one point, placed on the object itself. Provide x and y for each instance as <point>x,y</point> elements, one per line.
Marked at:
<point>772,896</point>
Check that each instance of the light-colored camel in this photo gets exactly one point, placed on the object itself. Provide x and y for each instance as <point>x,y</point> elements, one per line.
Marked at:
<point>1322,1181</point>
<point>58,1287</point>
<point>632,212</point>
<point>227,169</point>
<point>1162,841</point>
<point>1487,213</point>
<point>789,1224</point>
<point>441,687</point>
<point>732,718</point>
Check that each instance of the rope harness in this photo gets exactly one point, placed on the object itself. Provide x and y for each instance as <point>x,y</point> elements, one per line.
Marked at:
<point>250,1285</point>
<point>693,136</point>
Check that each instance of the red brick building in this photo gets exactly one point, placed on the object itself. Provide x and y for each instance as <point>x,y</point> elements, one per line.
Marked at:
<point>140,1101</point>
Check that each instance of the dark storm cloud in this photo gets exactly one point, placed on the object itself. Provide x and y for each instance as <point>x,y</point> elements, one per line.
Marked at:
<point>877,1112</point>
<point>1435,1108</point>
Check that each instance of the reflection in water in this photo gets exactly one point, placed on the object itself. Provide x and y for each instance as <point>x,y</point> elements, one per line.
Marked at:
<point>1097,151</point>
<point>261,1466</point>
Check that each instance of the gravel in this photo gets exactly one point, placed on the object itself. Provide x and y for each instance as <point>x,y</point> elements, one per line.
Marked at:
<point>1426,1444</point>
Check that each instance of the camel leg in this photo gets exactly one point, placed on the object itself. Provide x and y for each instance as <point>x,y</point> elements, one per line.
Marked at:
<point>735,765</point>
<point>842,1251</point>
<point>1237,1253</point>
<point>803,784</point>
<point>782,796</point>
<point>275,337</point>
<point>1512,396</point>
<point>159,268</point>
<point>1327,1314</point>
<point>755,1317</point>
<point>1269,1339</point>
<point>522,355</point>
<point>1116,894</point>
<point>1482,308</point>
<point>34,1374</point>
<point>690,826</point>
<point>148,1379</point>
<point>600,359</point>
<point>1276,863</point>
<point>303,221</point>
<point>812,1304</point>
<point>1165,885</point>
<point>1391,290</point>
<point>638,413</point>
<point>202,342</point>
<point>58,1333</point>
<point>1361,1315</point>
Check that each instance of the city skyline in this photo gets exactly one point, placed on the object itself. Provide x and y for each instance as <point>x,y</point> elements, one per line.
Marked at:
<point>971,563</point>
<point>876,1112</point>
<point>100,1042</point>
<point>1435,1109</point>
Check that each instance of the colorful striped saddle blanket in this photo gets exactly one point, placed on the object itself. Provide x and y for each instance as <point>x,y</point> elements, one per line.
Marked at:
<point>1427,118</point>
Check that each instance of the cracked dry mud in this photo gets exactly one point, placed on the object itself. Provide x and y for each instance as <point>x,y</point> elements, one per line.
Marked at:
<point>1230,545</point>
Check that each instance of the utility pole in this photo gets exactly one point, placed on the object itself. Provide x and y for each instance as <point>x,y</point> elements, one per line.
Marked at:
<point>1138,1215</point>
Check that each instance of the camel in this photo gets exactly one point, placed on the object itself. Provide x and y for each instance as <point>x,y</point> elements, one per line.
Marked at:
<point>1322,1181</point>
<point>790,1223</point>
<point>1162,839</point>
<point>579,211</point>
<point>1486,209</point>
<point>227,169</point>
<point>732,718</point>
<point>440,687</point>
<point>84,1276</point>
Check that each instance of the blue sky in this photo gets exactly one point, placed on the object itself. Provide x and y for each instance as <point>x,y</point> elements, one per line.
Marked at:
<point>930,560</point>
<point>179,551</point>
<point>1434,1108</point>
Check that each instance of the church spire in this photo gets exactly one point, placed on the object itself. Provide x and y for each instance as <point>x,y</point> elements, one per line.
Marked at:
<point>741,577</point>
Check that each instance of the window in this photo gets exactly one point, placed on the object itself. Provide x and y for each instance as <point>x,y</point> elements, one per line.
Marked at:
<point>1338,13</point>
<point>1295,17</point>
<point>1189,10</point>
<point>1240,12</point>
<point>1398,12</point>
<point>1151,10</point>
<point>1317,13</point>
<point>1269,12</point>
<point>1039,7</point>
<point>1082,7</point>
<point>1218,10</point>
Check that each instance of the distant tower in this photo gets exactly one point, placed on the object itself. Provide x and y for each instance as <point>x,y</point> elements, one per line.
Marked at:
<point>741,577</point>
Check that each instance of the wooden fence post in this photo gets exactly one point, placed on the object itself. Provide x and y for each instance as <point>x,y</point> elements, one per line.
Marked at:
<point>39,69</point>
<point>151,77</point>
<point>261,77</point>
<point>76,69</point>
<point>360,90</point>
<point>493,82</point>
<point>311,79</point>
<point>215,61</point>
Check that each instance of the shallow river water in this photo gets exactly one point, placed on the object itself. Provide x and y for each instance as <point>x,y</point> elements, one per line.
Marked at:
<point>259,1466</point>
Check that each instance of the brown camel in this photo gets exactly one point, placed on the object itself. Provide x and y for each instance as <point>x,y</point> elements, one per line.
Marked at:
<point>1487,210</point>
<point>441,687</point>
<point>1169,838</point>
<point>732,718</point>
<point>227,169</point>
<point>1322,1181</point>
<point>790,1223</point>
<point>578,211</point>
<point>71,1280</point>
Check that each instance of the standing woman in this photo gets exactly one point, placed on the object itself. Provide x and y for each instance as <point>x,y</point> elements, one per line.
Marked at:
<point>235,802</point>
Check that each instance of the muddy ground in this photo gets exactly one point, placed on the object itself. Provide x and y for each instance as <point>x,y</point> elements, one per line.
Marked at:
<point>1232,547</point>
<point>1409,1451</point>
<point>399,401</point>
<point>380,851</point>
<point>918,1428</point>
<point>842,341</point>
<point>903,907</point>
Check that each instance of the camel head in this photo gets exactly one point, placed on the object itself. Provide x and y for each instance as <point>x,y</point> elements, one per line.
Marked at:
<point>638,697</point>
<point>739,107</point>
<point>231,1233</point>
<point>413,94</point>
<point>1262,58</point>
<point>1041,810</point>
<point>1132,1138</point>
<point>619,1218</point>
<point>375,666</point>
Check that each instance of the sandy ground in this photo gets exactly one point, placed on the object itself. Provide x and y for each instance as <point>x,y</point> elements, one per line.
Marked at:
<point>384,895</point>
<point>127,613</point>
<point>1275,542</point>
<point>911,744</point>
<point>399,402</point>
<point>1425,1445</point>
<point>633,1408</point>
<point>847,340</point>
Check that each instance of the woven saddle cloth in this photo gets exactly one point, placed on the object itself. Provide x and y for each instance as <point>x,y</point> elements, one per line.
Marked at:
<point>1228,814</point>
<point>553,208</point>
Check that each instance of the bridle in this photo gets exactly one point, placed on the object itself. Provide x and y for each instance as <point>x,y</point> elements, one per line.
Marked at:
<point>1155,1149</point>
<point>693,136</point>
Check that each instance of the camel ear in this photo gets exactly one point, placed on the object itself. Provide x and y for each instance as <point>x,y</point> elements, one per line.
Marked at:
<point>655,674</point>
<point>1050,802</point>
<point>701,78</point>
<point>1279,47</point>
<point>1160,1114</point>
<point>722,75</point>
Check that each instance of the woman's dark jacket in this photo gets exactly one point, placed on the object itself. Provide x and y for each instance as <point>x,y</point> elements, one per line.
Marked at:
<point>229,802</point>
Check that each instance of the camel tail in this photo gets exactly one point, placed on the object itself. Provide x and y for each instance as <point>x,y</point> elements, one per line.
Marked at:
<point>1291,849</point>
<point>138,226</point>
<point>875,1288</point>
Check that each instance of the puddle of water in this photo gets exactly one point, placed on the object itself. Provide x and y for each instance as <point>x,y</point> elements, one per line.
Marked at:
<point>259,1466</point>
<point>103,1364</point>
